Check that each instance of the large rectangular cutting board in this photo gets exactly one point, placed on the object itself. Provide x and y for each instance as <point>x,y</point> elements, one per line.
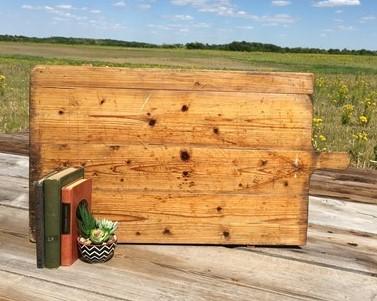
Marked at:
<point>199,157</point>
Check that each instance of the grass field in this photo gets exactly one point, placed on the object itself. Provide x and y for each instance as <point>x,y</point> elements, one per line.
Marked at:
<point>344,101</point>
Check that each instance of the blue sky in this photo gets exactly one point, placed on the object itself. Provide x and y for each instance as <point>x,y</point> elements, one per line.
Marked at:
<point>306,23</point>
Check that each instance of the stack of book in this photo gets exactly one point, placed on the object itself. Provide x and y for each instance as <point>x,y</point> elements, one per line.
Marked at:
<point>58,195</point>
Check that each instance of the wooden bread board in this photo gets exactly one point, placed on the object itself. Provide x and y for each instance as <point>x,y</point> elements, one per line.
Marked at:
<point>187,157</point>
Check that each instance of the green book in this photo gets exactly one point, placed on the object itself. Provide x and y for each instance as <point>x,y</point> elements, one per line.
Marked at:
<point>52,212</point>
<point>39,217</point>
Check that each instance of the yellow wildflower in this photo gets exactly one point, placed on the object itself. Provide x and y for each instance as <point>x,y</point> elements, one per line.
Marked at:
<point>361,136</point>
<point>363,120</point>
<point>322,138</point>
<point>348,108</point>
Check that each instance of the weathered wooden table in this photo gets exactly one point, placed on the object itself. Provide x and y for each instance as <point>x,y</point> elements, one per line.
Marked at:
<point>338,263</point>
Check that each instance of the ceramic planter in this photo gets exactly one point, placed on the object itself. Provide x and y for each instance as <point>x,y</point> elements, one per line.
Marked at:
<point>96,253</point>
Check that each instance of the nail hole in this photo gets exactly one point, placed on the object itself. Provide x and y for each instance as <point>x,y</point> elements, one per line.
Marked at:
<point>185,173</point>
<point>166,231</point>
<point>263,162</point>
<point>61,112</point>
<point>122,180</point>
<point>216,131</point>
<point>219,209</point>
<point>138,233</point>
<point>184,108</point>
<point>226,234</point>
<point>185,156</point>
<point>102,101</point>
<point>152,122</point>
<point>128,162</point>
<point>286,183</point>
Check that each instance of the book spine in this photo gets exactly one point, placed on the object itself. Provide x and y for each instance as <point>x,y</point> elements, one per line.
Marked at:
<point>39,223</point>
<point>52,223</point>
<point>66,255</point>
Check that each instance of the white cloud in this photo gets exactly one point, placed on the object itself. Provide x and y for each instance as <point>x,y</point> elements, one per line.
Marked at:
<point>367,19</point>
<point>120,4</point>
<point>64,6</point>
<point>246,27</point>
<point>281,3</point>
<point>335,3</point>
<point>345,27</point>
<point>182,17</point>
<point>274,20</point>
<point>145,6</point>
<point>79,15</point>
<point>219,7</point>
<point>228,9</point>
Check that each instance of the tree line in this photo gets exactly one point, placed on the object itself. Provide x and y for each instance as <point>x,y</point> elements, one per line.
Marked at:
<point>233,46</point>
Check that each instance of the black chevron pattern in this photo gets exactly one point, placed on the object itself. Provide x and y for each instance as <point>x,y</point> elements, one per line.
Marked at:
<point>96,253</point>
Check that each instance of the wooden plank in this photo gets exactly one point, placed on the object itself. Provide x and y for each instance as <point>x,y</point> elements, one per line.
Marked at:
<point>357,185</point>
<point>352,184</point>
<point>205,219</point>
<point>343,215</point>
<point>14,180</point>
<point>187,273</point>
<point>334,160</point>
<point>131,178</point>
<point>14,143</point>
<point>124,78</point>
<point>174,117</point>
<point>332,247</point>
<point>17,287</point>
<point>174,168</point>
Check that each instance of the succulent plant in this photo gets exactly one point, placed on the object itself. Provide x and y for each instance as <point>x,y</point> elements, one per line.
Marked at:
<point>86,221</point>
<point>107,225</point>
<point>99,236</point>
<point>92,230</point>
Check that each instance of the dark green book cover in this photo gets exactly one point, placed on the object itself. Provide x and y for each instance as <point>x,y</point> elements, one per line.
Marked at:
<point>39,215</point>
<point>52,212</point>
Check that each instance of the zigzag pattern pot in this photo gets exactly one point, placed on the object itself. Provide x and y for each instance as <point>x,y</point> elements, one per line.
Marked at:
<point>96,253</point>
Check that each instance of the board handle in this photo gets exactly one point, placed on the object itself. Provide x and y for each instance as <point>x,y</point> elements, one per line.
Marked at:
<point>331,160</point>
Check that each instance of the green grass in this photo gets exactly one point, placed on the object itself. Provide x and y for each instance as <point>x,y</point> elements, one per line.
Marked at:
<point>358,73</point>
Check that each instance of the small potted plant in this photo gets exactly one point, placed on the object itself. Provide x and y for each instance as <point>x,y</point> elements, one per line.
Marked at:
<point>97,239</point>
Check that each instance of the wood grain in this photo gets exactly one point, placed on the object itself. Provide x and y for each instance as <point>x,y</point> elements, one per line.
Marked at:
<point>14,143</point>
<point>14,182</point>
<point>232,139</point>
<point>328,246</point>
<point>332,161</point>
<point>175,117</point>
<point>336,259</point>
<point>229,218</point>
<point>352,184</point>
<point>231,81</point>
<point>185,272</point>
<point>122,167</point>
<point>344,215</point>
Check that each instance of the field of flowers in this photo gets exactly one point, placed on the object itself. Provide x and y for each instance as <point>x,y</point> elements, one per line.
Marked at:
<point>345,110</point>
